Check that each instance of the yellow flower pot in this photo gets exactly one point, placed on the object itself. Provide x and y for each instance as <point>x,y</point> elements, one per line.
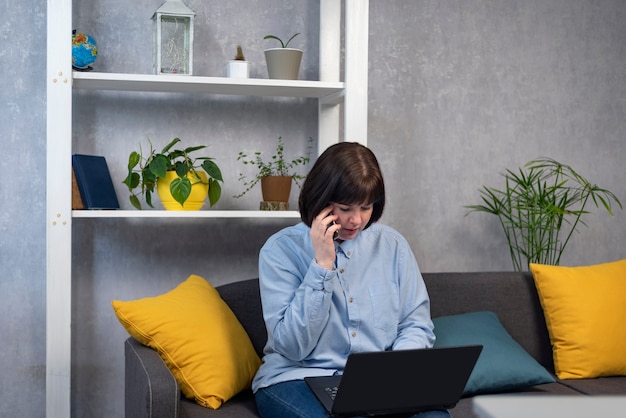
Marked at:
<point>195,201</point>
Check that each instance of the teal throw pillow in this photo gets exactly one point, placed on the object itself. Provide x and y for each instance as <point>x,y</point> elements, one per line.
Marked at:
<point>503,364</point>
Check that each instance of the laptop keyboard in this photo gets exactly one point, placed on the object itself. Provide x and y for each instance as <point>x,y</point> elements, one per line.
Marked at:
<point>332,392</point>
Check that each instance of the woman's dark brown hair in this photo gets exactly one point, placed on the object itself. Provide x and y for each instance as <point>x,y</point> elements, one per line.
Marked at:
<point>346,173</point>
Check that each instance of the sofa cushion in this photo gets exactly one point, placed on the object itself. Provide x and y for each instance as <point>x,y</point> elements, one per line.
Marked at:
<point>615,385</point>
<point>584,308</point>
<point>241,405</point>
<point>198,337</point>
<point>503,364</point>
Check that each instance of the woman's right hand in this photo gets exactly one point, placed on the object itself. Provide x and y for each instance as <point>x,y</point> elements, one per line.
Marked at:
<point>322,233</point>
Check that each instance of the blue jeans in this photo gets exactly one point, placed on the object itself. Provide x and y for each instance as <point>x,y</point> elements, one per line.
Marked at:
<point>295,399</point>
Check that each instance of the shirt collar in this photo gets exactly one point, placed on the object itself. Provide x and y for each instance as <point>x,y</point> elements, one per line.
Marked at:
<point>347,247</point>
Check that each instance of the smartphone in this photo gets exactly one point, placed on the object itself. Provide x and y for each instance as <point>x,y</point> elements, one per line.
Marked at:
<point>336,234</point>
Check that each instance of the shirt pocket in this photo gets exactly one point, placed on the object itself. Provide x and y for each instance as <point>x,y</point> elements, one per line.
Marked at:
<point>384,300</point>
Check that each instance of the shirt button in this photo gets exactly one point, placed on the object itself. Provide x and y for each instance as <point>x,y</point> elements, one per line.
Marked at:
<point>353,334</point>
<point>341,271</point>
<point>351,300</point>
<point>349,253</point>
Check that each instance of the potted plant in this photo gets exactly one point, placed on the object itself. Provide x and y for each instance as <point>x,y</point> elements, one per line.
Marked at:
<point>176,175</point>
<point>283,62</point>
<point>238,67</point>
<point>275,174</point>
<point>539,209</point>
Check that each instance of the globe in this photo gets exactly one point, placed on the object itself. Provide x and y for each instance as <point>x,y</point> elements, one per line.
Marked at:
<point>84,51</point>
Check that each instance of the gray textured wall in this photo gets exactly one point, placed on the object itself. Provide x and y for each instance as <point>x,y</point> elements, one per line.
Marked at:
<point>458,91</point>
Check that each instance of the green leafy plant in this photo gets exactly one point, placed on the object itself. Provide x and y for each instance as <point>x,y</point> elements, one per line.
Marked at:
<point>540,207</point>
<point>275,166</point>
<point>282,44</point>
<point>145,171</point>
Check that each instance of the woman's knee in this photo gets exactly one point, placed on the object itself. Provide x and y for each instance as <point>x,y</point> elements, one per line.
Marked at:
<point>288,399</point>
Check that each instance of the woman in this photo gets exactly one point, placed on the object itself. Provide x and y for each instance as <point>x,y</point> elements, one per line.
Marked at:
<point>335,284</point>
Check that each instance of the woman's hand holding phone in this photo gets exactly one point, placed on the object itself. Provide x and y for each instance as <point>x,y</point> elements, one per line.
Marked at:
<point>323,232</point>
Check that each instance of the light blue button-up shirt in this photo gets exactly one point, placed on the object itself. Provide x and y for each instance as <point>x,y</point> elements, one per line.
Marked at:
<point>375,299</point>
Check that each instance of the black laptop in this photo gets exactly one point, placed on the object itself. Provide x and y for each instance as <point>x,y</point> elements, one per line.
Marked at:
<point>394,382</point>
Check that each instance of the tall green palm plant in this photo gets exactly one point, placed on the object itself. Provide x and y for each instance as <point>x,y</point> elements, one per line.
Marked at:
<point>539,209</point>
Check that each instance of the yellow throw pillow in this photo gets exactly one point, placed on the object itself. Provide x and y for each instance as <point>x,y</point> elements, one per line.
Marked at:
<point>585,311</point>
<point>199,338</point>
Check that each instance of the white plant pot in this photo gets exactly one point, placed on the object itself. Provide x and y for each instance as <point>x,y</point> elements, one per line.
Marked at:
<point>238,69</point>
<point>283,63</point>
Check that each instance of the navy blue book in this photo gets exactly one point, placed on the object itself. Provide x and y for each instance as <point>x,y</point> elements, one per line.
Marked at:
<point>94,182</point>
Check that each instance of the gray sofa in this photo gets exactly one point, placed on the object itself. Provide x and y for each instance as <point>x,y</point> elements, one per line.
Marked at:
<point>152,392</point>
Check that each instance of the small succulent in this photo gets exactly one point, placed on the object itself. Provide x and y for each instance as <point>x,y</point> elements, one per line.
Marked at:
<point>239,56</point>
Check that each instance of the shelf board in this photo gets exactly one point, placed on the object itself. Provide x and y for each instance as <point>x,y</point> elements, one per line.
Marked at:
<point>207,85</point>
<point>184,214</point>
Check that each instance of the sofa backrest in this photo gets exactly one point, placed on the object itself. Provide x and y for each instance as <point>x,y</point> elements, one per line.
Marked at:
<point>511,295</point>
<point>244,299</point>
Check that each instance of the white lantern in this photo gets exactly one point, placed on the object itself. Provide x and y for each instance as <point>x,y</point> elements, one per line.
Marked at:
<point>173,38</point>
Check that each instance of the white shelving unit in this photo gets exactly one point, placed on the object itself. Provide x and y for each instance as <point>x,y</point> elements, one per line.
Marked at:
<point>351,93</point>
<point>184,214</point>
<point>331,92</point>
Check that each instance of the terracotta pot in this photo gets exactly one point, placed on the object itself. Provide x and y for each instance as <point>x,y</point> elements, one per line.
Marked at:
<point>276,188</point>
<point>199,192</point>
